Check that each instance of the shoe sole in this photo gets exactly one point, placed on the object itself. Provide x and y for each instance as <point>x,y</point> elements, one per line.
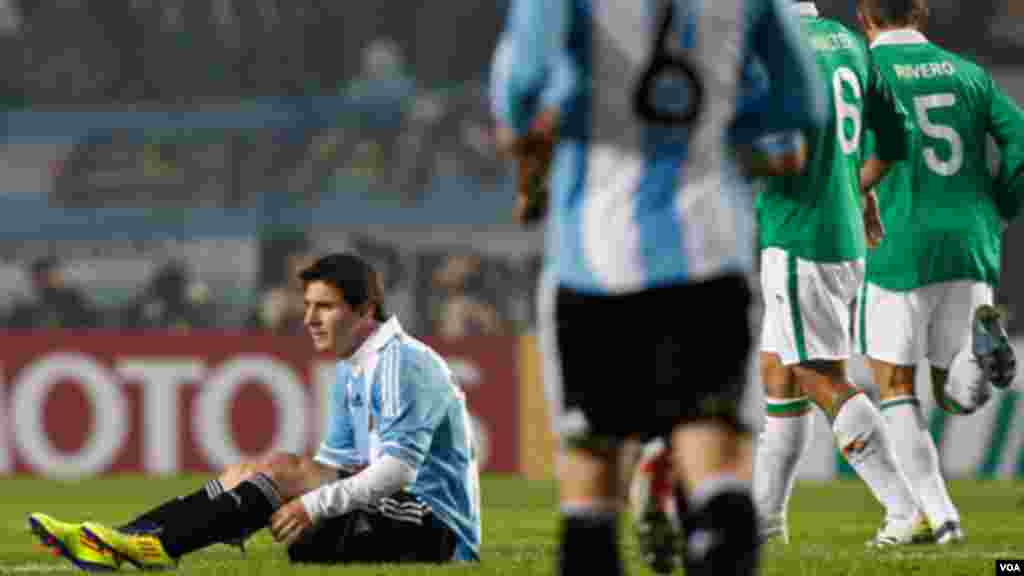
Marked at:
<point>1001,352</point>
<point>54,543</point>
<point>102,543</point>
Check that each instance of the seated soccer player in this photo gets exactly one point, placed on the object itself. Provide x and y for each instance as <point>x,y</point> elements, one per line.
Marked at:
<point>395,478</point>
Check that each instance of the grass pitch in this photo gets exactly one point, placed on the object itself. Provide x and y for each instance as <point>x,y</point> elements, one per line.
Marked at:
<point>829,524</point>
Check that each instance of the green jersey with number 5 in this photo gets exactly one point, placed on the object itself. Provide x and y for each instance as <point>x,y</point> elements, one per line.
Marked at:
<point>817,215</point>
<point>942,208</point>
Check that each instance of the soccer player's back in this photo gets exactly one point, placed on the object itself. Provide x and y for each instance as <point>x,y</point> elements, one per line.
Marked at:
<point>816,214</point>
<point>948,181</point>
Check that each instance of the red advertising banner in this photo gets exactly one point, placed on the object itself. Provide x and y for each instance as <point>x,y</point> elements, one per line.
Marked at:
<point>86,403</point>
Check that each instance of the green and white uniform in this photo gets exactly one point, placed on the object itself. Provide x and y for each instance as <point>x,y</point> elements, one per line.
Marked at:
<point>811,227</point>
<point>943,210</point>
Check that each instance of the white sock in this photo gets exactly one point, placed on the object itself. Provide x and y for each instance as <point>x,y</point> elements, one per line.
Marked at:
<point>915,450</point>
<point>862,437</point>
<point>780,448</point>
<point>966,386</point>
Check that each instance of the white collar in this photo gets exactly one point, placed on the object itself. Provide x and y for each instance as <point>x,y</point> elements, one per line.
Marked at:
<point>380,337</point>
<point>806,9</point>
<point>899,37</point>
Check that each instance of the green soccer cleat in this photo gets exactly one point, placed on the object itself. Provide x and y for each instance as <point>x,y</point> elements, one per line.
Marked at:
<point>144,551</point>
<point>70,541</point>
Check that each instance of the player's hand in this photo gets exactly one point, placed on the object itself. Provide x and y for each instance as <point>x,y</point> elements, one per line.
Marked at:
<point>874,230</point>
<point>289,522</point>
<point>533,155</point>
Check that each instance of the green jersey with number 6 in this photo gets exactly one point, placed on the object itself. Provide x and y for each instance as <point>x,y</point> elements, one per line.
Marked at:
<point>817,215</point>
<point>942,209</point>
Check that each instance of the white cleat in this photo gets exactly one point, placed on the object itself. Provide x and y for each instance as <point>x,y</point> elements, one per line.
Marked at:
<point>893,533</point>
<point>773,528</point>
<point>950,533</point>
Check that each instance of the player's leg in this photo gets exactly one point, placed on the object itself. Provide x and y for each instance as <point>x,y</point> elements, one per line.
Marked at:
<point>787,428</point>
<point>710,446</point>
<point>781,445</point>
<point>825,294</point>
<point>404,529</point>
<point>894,335</point>
<point>588,428</point>
<point>981,353</point>
<point>233,514</point>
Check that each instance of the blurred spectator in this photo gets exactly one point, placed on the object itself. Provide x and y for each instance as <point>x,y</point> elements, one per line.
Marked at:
<point>54,304</point>
<point>171,301</point>
<point>462,311</point>
<point>281,308</point>
<point>379,96</point>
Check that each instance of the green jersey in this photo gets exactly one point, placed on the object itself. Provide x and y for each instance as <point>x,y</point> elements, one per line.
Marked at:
<point>942,208</point>
<point>817,215</point>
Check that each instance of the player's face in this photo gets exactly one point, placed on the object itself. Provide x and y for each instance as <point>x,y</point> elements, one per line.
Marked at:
<point>332,323</point>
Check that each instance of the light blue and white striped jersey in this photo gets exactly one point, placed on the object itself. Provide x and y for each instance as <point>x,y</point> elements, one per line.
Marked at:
<point>652,95</point>
<point>396,396</point>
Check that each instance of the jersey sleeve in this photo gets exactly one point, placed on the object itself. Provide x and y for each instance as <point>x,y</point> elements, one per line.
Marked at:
<point>795,98</point>
<point>887,119</point>
<point>1006,126</point>
<point>527,56</point>
<point>414,398</point>
<point>338,447</point>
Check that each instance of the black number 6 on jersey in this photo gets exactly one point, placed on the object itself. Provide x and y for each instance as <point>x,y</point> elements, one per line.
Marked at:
<point>665,75</point>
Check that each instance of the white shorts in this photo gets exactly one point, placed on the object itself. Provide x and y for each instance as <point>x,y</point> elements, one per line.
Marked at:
<point>932,322</point>
<point>808,306</point>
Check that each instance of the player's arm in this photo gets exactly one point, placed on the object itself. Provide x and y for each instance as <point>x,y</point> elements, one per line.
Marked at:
<point>529,60</point>
<point>795,99</point>
<point>1006,125</point>
<point>774,155</point>
<point>414,399</point>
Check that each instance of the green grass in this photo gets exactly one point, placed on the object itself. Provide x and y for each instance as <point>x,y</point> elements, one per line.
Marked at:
<point>828,522</point>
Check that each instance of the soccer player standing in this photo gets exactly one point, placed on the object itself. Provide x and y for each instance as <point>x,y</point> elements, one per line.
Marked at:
<point>395,478</point>
<point>649,216</point>
<point>930,284</point>
<point>812,265</point>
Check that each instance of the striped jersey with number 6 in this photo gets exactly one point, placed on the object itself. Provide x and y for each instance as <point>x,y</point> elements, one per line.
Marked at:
<point>941,208</point>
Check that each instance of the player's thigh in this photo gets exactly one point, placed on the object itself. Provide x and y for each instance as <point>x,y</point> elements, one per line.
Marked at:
<point>701,365</point>
<point>809,307</point>
<point>891,325</point>
<point>949,327</point>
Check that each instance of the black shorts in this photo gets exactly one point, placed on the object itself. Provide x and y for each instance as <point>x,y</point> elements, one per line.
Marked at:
<point>404,530</point>
<point>640,364</point>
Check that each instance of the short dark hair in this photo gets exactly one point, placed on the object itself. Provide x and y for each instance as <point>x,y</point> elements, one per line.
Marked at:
<point>359,283</point>
<point>896,12</point>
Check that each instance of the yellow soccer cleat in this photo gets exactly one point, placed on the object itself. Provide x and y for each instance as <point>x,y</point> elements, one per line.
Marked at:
<point>70,541</point>
<point>144,551</point>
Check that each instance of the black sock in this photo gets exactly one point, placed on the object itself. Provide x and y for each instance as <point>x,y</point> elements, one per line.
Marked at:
<point>172,509</point>
<point>590,538</point>
<point>721,536</point>
<point>232,515</point>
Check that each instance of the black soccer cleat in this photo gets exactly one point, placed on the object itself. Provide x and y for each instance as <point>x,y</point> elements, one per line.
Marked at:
<point>991,346</point>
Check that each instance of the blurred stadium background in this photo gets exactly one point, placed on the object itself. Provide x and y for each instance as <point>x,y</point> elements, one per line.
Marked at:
<point>166,165</point>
